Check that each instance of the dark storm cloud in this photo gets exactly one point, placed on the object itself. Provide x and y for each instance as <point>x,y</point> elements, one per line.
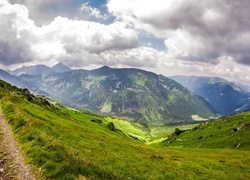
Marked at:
<point>14,45</point>
<point>204,17</point>
<point>14,54</point>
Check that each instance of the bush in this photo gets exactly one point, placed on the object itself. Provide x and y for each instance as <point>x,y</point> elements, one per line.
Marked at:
<point>177,132</point>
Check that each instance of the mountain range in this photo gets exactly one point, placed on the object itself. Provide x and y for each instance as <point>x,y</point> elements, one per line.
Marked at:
<point>40,69</point>
<point>17,81</point>
<point>226,97</point>
<point>130,93</point>
<point>134,94</point>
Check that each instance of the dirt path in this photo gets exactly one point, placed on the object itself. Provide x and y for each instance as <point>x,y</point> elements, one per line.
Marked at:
<point>13,164</point>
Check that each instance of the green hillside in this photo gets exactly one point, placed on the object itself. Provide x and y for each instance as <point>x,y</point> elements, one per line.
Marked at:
<point>62,143</point>
<point>228,132</point>
<point>130,93</point>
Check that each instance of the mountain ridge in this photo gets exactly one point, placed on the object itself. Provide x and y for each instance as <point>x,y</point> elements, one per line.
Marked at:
<point>40,69</point>
<point>128,92</point>
<point>223,95</point>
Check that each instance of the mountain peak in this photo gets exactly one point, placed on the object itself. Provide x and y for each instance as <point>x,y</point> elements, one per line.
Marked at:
<point>61,68</point>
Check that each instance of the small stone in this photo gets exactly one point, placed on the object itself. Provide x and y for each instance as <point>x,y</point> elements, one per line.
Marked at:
<point>243,126</point>
<point>1,170</point>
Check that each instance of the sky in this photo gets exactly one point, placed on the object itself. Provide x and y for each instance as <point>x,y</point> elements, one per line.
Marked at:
<point>169,37</point>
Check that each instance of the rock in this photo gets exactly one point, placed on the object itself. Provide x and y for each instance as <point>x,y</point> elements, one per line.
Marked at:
<point>243,126</point>
<point>45,102</point>
<point>111,126</point>
<point>233,131</point>
<point>238,123</point>
<point>1,170</point>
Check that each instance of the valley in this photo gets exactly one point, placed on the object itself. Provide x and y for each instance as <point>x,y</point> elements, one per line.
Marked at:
<point>63,143</point>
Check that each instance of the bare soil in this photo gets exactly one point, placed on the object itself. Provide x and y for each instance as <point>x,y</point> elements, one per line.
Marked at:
<point>12,164</point>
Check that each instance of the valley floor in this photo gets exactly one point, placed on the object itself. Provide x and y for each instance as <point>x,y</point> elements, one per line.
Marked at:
<point>12,164</point>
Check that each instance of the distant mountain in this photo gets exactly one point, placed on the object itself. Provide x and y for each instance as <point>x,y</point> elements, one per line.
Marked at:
<point>131,93</point>
<point>61,68</point>
<point>243,107</point>
<point>244,87</point>
<point>16,81</point>
<point>224,96</point>
<point>32,70</point>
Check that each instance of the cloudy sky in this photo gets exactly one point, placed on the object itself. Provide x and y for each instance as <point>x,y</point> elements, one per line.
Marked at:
<point>188,37</point>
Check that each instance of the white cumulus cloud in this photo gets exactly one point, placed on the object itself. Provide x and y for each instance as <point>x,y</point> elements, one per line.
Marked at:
<point>195,30</point>
<point>22,41</point>
<point>201,37</point>
<point>94,12</point>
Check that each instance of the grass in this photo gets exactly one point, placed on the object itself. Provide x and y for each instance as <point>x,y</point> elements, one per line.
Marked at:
<point>227,132</point>
<point>134,130</point>
<point>163,131</point>
<point>106,107</point>
<point>68,144</point>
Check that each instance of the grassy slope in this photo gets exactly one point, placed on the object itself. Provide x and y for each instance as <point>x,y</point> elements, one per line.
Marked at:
<point>66,144</point>
<point>226,132</point>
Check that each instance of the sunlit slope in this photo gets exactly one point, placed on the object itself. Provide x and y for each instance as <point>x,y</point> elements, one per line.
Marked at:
<point>227,132</point>
<point>60,143</point>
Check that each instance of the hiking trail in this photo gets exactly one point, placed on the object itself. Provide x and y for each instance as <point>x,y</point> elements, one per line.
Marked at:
<point>12,165</point>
